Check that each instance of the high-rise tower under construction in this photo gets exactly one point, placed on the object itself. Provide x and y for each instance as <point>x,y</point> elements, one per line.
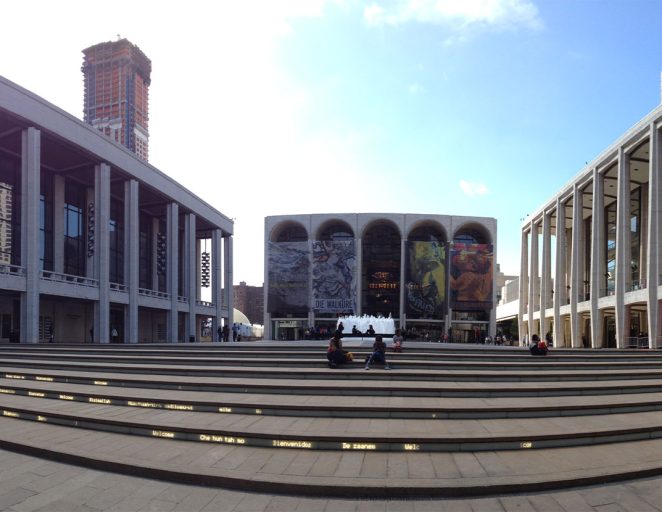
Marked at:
<point>117,78</point>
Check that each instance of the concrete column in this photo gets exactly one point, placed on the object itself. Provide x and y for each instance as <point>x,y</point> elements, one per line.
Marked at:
<point>653,236</point>
<point>217,280</point>
<point>559,274</point>
<point>101,253</point>
<point>623,270</point>
<point>545,288</point>
<point>598,266</point>
<point>132,227</point>
<point>533,278</point>
<point>58,224</point>
<point>191,270</point>
<point>523,284</point>
<point>30,222</point>
<point>576,265</point>
<point>172,271</point>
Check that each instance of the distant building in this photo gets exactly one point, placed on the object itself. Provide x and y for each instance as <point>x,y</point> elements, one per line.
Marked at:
<point>250,301</point>
<point>117,78</point>
<point>432,274</point>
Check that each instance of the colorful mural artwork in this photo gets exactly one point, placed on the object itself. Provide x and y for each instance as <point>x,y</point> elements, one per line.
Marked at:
<point>471,275</point>
<point>426,279</point>
<point>334,276</point>
<point>289,272</point>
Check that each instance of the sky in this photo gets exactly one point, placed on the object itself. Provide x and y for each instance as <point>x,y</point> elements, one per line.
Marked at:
<point>275,107</point>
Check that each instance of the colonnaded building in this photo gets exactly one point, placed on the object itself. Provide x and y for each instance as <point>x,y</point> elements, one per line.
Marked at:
<point>95,243</point>
<point>432,274</point>
<point>590,267</point>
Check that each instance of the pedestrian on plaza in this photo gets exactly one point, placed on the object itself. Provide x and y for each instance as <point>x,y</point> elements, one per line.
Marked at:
<point>220,333</point>
<point>235,331</point>
<point>226,333</point>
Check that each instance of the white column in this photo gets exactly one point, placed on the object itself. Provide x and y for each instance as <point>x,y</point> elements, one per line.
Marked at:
<point>523,284</point>
<point>653,234</point>
<point>559,274</point>
<point>30,189</point>
<point>533,278</point>
<point>191,270</point>
<point>101,252</point>
<point>217,279</point>
<point>545,290</point>
<point>623,270</point>
<point>132,227</point>
<point>598,267</point>
<point>172,271</point>
<point>576,265</point>
<point>58,224</point>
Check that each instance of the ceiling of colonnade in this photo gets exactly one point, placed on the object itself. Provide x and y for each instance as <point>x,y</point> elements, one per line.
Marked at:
<point>639,162</point>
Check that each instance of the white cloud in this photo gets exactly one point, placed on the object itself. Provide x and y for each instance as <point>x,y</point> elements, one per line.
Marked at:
<point>415,89</point>
<point>473,189</point>
<point>457,15</point>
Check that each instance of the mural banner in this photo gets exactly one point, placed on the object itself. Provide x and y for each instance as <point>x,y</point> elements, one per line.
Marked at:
<point>471,275</point>
<point>289,272</point>
<point>426,280</point>
<point>334,276</point>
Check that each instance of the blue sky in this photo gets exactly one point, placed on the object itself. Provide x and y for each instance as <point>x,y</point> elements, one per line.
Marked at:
<point>467,107</point>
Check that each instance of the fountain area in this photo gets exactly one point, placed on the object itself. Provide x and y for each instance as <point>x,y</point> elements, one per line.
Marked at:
<point>380,324</point>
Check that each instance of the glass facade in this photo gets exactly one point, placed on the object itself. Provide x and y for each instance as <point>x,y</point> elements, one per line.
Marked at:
<point>381,271</point>
<point>116,235</point>
<point>46,223</point>
<point>74,229</point>
<point>10,212</point>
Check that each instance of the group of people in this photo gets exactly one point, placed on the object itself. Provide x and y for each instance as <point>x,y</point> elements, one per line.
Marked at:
<point>224,333</point>
<point>338,356</point>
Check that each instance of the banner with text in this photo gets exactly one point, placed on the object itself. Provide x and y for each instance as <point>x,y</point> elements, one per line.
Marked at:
<point>334,276</point>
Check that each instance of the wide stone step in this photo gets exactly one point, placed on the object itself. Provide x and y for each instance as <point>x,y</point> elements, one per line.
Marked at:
<point>338,474</point>
<point>351,371</point>
<point>347,406</point>
<point>399,361</point>
<point>378,385</point>
<point>364,434</point>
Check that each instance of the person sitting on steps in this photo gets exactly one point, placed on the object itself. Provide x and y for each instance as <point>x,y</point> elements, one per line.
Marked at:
<point>378,353</point>
<point>335,354</point>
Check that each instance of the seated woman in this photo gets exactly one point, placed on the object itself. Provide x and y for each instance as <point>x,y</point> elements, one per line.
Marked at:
<point>538,347</point>
<point>335,354</point>
<point>397,341</point>
<point>355,331</point>
<point>370,331</point>
<point>378,353</point>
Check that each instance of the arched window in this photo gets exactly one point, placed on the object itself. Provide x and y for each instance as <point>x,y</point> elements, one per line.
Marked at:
<point>381,270</point>
<point>335,230</point>
<point>290,232</point>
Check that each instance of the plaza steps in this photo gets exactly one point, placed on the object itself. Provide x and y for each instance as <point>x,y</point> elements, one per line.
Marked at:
<point>483,422</point>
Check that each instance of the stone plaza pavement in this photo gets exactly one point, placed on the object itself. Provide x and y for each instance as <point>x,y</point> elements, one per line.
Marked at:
<point>32,484</point>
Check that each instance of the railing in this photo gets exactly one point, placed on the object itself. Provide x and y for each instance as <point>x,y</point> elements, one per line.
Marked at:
<point>119,287</point>
<point>204,303</point>
<point>637,341</point>
<point>153,293</point>
<point>49,275</point>
<point>182,298</point>
<point>639,284</point>
<point>14,270</point>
